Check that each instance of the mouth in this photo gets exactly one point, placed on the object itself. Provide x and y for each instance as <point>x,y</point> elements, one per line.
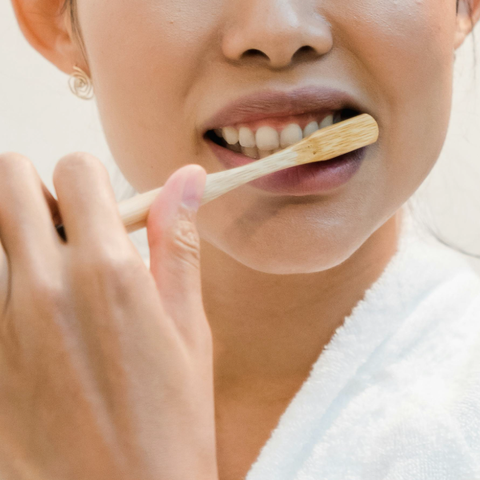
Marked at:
<point>260,138</point>
<point>260,124</point>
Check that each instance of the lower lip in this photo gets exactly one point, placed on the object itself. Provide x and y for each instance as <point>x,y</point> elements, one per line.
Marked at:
<point>308,179</point>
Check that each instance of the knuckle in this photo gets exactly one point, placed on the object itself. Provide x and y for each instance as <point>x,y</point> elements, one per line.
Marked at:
<point>11,162</point>
<point>107,266</point>
<point>47,294</point>
<point>184,241</point>
<point>77,161</point>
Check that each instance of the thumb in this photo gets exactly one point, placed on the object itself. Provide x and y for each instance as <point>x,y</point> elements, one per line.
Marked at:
<point>174,243</point>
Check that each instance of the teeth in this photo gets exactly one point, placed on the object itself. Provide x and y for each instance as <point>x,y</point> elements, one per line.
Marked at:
<point>326,122</point>
<point>267,138</point>
<point>264,153</point>
<point>235,148</point>
<point>246,137</point>
<point>230,134</point>
<point>310,128</point>
<point>290,135</point>
<point>251,152</point>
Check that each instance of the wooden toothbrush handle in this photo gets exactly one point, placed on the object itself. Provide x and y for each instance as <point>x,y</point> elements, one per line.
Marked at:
<point>324,144</point>
<point>134,211</point>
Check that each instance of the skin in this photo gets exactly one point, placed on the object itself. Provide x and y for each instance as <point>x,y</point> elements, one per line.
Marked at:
<point>160,70</point>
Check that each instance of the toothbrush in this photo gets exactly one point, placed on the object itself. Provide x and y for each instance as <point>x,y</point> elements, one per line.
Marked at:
<point>324,144</point>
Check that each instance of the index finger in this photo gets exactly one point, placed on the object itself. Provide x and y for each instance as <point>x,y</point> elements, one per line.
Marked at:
<point>26,226</point>
<point>87,202</point>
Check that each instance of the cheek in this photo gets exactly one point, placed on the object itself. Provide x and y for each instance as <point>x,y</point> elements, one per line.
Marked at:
<point>145,57</point>
<point>400,40</point>
<point>405,51</point>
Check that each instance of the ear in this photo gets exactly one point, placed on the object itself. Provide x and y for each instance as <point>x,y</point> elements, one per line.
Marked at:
<point>49,31</point>
<point>467,16</point>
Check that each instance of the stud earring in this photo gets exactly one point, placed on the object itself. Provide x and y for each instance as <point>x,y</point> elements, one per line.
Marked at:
<point>80,84</point>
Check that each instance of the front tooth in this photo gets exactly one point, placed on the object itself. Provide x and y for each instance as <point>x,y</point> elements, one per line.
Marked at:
<point>326,122</point>
<point>310,128</point>
<point>230,134</point>
<point>290,135</point>
<point>251,152</point>
<point>246,137</point>
<point>267,138</point>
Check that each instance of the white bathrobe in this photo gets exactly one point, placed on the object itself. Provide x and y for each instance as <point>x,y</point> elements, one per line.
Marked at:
<point>395,395</point>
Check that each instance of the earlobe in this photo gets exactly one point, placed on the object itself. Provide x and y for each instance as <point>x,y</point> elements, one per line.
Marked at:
<point>46,29</point>
<point>468,15</point>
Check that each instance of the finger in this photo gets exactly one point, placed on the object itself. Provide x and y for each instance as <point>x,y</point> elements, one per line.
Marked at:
<point>27,231</point>
<point>175,245</point>
<point>87,202</point>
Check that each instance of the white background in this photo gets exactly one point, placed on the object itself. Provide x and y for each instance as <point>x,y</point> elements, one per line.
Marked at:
<point>42,119</point>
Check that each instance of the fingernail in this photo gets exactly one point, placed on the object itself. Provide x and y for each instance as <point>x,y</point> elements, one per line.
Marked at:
<point>192,192</point>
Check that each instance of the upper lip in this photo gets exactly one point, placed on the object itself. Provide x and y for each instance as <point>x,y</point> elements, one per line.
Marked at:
<point>274,103</point>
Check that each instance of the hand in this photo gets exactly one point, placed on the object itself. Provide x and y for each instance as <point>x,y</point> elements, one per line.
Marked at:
<point>105,366</point>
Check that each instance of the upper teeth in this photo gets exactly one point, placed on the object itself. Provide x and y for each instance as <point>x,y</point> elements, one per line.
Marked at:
<point>267,140</point>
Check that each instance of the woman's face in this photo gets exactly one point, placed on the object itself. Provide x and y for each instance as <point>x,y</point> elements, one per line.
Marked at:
<point>163,69</point>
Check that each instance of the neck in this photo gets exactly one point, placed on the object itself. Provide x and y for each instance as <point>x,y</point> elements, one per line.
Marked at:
<point>271,328</point>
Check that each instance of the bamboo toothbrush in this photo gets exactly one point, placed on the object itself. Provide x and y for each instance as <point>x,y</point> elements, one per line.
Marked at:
<point>324,144</point>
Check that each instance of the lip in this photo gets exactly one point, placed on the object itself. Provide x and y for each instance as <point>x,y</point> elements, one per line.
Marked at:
<point>274,103</point>
<point>309,179</point>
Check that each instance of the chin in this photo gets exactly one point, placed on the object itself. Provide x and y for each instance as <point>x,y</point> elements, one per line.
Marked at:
<point>289,266</point>
<point>286,237</point>
<point>285,256</point>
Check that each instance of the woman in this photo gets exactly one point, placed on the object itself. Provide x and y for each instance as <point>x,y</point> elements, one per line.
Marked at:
<point>191,369</point>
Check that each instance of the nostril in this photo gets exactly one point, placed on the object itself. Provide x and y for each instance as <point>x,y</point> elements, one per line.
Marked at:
<point>306,49</point>
<point>253,52</point>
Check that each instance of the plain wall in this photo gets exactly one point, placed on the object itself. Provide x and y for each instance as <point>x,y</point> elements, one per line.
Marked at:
<point>42,119</point>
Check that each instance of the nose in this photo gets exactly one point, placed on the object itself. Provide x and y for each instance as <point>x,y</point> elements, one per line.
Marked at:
<point>275,32</point>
